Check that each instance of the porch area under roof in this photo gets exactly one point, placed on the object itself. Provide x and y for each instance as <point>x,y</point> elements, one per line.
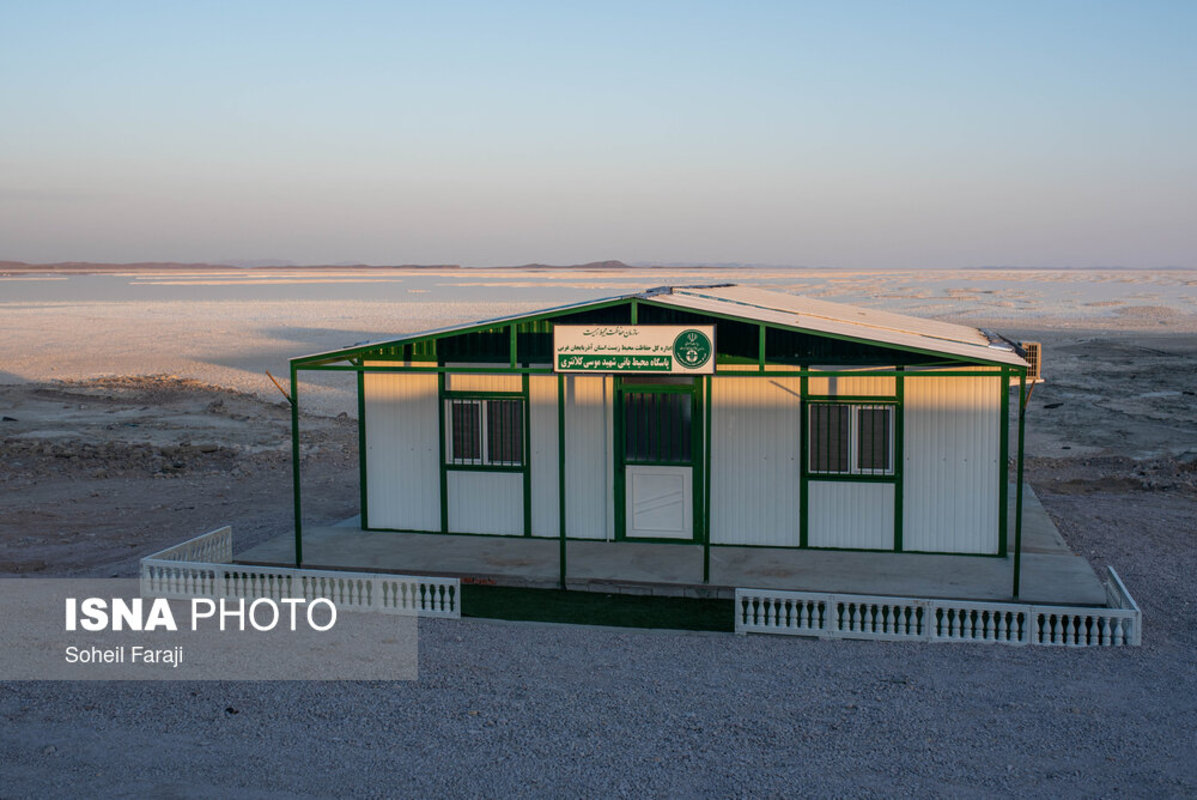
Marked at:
<point>1050,573</point>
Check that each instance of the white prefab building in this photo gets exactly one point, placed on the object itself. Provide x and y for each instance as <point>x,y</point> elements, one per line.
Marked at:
<point>703,415</point>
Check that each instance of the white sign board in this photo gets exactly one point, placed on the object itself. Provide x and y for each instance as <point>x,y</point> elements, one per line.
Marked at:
<point>671,349</point>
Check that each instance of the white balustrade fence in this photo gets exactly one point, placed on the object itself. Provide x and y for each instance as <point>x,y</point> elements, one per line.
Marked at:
<point>912,619</point>
<point>213,547</point>
<point>174,573</point>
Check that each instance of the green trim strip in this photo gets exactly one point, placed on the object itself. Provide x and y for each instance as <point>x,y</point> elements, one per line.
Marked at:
<point>899,459</point>
<point>527,468</point>
<point>521,537</point>
<point>619,487</point>
<point>462,394</point>
<point>859,550</point>
<point>880,399</point>
<point>1004,466</point>
<point>803,465</point>
<point>499,369</point>
<point>761,358</point>
<point>833,477</point>
<point>1022,416</point>
<point>730,373</point>
<point>295,483</point>
<point>706,476</point>
<point>440,412</point>
<point>363,485</point>
<point>483,468</point>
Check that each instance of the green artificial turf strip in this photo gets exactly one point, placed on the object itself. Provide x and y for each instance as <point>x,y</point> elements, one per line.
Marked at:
<point>594,608</point>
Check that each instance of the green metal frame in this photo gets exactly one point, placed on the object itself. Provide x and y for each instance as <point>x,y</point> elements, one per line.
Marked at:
<point>297,503</point>
<point>524,468</point>
<point>803,462</point>
<point>708,412</point>
<point>422,348</point>
<point>561,533</point>
<point>1022,416</point>
<point>894,478</point>
<point>363,487</point>
<point>633,302</point>
<point>619,465</point>
<point>1004,465</point>
<point>899,459</point>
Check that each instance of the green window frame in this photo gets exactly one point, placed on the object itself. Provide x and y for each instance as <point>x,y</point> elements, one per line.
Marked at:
<point>850,439</point>
<point>484,431</point>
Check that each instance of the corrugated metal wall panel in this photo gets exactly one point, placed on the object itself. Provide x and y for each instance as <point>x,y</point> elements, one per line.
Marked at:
<point>755,468</point>
<point>486,502</point>
<point>402,451</point>
<point>478,382</point>
<point>542,392</point>
<point>853,386</point>
<point>588,456</point>
<point>951,464</point>
<point>851,515</point>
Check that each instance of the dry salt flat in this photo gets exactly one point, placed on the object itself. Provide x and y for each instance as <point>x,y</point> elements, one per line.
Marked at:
<point>228,327</point>
<point>528,710</point>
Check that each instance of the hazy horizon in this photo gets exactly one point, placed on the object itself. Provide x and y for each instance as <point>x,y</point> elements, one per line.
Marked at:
<point>834,136</point>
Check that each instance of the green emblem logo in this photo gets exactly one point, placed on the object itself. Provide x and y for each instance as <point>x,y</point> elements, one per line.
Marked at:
<point>692,349</point>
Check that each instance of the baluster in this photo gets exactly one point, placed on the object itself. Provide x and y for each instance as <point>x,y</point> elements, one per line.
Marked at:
<point>1118,632</point>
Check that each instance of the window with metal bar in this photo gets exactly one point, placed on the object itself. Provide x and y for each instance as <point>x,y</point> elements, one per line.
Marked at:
<point>657,428</point>
<point>851,439</point>
<point>485,432</point>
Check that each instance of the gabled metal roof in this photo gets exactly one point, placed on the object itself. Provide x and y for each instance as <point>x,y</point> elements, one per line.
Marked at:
<point>772,308</point>
<point>842,320</point>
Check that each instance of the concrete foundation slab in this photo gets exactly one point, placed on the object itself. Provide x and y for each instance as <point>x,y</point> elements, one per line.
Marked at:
<point>1051,574</point>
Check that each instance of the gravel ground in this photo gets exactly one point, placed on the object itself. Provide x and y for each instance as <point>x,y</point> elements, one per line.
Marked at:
<point>522,709</point>
<point>508,709</point>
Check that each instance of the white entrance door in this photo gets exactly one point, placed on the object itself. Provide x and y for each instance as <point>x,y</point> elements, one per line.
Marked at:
<point>660,502</point>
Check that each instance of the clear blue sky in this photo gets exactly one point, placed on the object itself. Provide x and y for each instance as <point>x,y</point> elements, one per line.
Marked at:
<point>854,134</point>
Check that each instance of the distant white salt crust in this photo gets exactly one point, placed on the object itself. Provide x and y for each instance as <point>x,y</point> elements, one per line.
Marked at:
<point>233,342</point>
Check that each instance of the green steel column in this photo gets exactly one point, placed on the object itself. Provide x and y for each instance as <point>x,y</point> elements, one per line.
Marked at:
<point>635,312</point>
<point>899,457</point>
<point>706,493</point>
<point>295,467</point>
<point>361,449</point>
<point>561,472</point>
<point>1022,416</point>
